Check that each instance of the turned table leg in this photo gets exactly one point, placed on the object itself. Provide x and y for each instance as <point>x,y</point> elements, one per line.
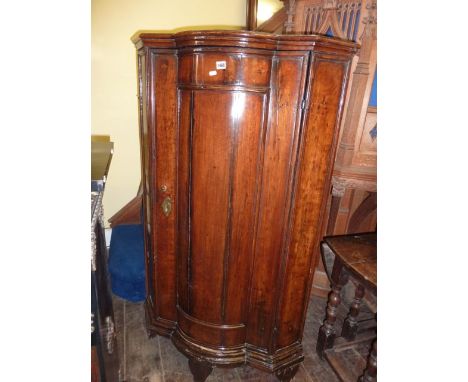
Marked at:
<point>350,325</point>
<point>327,333</point>
<point>200,369</point>
<point>370,373</point>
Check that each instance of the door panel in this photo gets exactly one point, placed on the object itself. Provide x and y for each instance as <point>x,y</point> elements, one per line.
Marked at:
<point>213,135</point>
<point>219,160</point>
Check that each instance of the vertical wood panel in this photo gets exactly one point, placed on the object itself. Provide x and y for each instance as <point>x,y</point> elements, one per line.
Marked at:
<point>286,95</point>
<point>246,184</point>
<point>145,166</point>
<point>212,144</point>
<point>313,173</point>
<point>164,103</point>
<point>183,198</point>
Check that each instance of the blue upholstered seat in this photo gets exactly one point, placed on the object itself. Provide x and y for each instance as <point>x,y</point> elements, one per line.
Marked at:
<point>127,262</point>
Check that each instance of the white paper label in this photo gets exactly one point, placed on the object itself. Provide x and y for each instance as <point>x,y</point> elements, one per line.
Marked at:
<point>213,73</point>
<point>220,64</point>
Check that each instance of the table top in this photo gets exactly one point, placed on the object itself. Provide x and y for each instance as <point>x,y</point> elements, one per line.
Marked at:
<point>101,155</point>
<point>358,252</point>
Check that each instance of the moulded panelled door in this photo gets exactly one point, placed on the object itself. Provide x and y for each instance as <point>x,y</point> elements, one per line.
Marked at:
<point>220,138</point>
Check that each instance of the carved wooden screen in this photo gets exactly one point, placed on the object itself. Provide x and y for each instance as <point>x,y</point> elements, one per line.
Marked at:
<point>340,18</point>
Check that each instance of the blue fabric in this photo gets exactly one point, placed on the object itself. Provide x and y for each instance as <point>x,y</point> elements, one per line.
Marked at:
<point>127,262</point>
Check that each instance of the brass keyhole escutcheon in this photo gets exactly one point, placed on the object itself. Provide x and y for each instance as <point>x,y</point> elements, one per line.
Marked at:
<point>166,206</point>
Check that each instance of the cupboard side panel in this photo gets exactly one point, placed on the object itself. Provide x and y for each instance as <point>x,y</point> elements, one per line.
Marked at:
<point>145,149</point>
<point>318,141</point>
<point>163,119</point>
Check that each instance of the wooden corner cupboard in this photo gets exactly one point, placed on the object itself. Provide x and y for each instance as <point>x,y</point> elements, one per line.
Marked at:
<point>238,133</point>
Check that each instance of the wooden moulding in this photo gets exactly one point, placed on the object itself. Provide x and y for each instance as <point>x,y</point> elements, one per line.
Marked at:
<point>244,39</point>
<point>238,355</point>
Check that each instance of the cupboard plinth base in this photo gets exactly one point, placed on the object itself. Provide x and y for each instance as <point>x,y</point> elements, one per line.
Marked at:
<point>157,325</point>
<point>284,363</point>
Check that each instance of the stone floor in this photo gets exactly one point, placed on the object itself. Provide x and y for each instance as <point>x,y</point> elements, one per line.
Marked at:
<point>156,359</point>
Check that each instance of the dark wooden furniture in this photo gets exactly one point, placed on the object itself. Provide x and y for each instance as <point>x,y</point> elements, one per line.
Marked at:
<point>352,205</point>
<point>238,133</point>
<point>355,258</point>
<point>104,352</point>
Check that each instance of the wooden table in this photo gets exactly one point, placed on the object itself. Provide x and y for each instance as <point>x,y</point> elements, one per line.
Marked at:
<point>355,258</point>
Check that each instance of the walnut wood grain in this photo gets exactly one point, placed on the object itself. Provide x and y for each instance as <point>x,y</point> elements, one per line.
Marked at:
<point>244,153</point>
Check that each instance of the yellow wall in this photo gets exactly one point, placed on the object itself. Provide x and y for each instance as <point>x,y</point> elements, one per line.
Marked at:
<point>266,9</point>
<point>114,106</point>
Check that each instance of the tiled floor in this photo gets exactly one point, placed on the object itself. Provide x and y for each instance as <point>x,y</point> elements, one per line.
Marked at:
<point>156,359</point>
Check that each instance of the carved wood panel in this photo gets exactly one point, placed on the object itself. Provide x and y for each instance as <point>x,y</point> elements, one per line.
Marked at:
<point>340,18</point>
